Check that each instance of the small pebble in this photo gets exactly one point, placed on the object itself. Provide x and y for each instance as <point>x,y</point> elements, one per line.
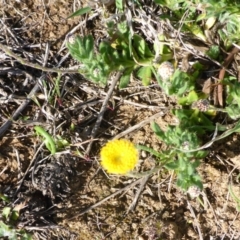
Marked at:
<point>165,70</point>
<point>144,154</point>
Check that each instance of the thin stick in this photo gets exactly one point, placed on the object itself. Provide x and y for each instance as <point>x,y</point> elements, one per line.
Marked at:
<point>17,113</point>
<point>195,220</point>
<point>107,198</point>
<point>137,196</point>
<point>5,168</point>
<point>139,125</point>
<point>103,109</point>
<point>91,91</point>
<point>34,65</point>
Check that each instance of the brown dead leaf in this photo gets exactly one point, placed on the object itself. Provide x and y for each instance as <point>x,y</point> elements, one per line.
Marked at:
<point>207,86</point>
<point>20,206</point>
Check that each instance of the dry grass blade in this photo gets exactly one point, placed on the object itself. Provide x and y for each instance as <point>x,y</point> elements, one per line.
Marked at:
<point>196,221</point>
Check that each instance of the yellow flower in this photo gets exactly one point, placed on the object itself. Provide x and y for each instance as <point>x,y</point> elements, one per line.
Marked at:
<point>119,156</point>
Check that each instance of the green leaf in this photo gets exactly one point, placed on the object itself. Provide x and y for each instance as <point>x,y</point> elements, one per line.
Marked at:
<point>61,142</point>
<point>124,80</point>
<point>4,198</point>
<point>5,212</point>
<point>80,12</point>
<point>119,5</point>
<point>25,236</point>
<point>201,154</point>
<point>141,47</point>
<point>158,131</point>
<point>189,99</point>
<point>15,215</point>
<point>123,27</point>
<point>172,165</point>
<point>6,231</point>
<point>182,164</point>
<point>179,84</point>
<point>150,150</point>
<point>233,111</point>
<point>145,74</point>
<point>213,52</point>
<point>190,169</point>
<point>48,139</point>
<point>88,43</point>
<point>197,31</point>
<point>197,181</point>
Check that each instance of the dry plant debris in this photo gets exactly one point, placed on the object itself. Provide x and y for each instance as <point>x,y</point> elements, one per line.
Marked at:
<point>67,195</point>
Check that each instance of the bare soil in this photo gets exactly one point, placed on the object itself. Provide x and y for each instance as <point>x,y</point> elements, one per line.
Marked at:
<point>57,191</point>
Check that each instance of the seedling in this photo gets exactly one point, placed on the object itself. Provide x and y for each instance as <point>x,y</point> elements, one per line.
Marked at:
<point>48,139</point>
<point>52,144</point>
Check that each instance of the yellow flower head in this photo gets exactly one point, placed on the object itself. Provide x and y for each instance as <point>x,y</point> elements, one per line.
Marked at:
<point>119,156</point>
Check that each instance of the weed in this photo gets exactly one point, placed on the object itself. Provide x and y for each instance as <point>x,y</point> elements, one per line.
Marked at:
<point>52,144</point>
<point>8,221</point>
<point>195,119</point>
<point>188,15</point>
<point>123,52</point>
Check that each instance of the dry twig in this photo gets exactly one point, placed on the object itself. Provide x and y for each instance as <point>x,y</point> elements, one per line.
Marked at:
<point>34,65</point>
<point>107,198</point>
<point>135,200</point>
<point>139,125</point>
<point>103,109</point>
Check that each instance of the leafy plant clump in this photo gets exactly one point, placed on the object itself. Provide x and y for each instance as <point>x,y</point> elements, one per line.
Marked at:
<point>123,52</point>
<point>191,14</point>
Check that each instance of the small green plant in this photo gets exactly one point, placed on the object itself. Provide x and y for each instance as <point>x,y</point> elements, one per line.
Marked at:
<point>122,52</point>
<point>183,163</point>
<point>233,97</point>
<point>183,141</point>
<point>227,13</point>
<point>119,54</point>
<point>51,144</point>
<point>188,16</point>
<point>8,221</point>
<point>48,139</point>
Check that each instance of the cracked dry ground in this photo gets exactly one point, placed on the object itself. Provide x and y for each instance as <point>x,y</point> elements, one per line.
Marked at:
<point>56,190</point>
